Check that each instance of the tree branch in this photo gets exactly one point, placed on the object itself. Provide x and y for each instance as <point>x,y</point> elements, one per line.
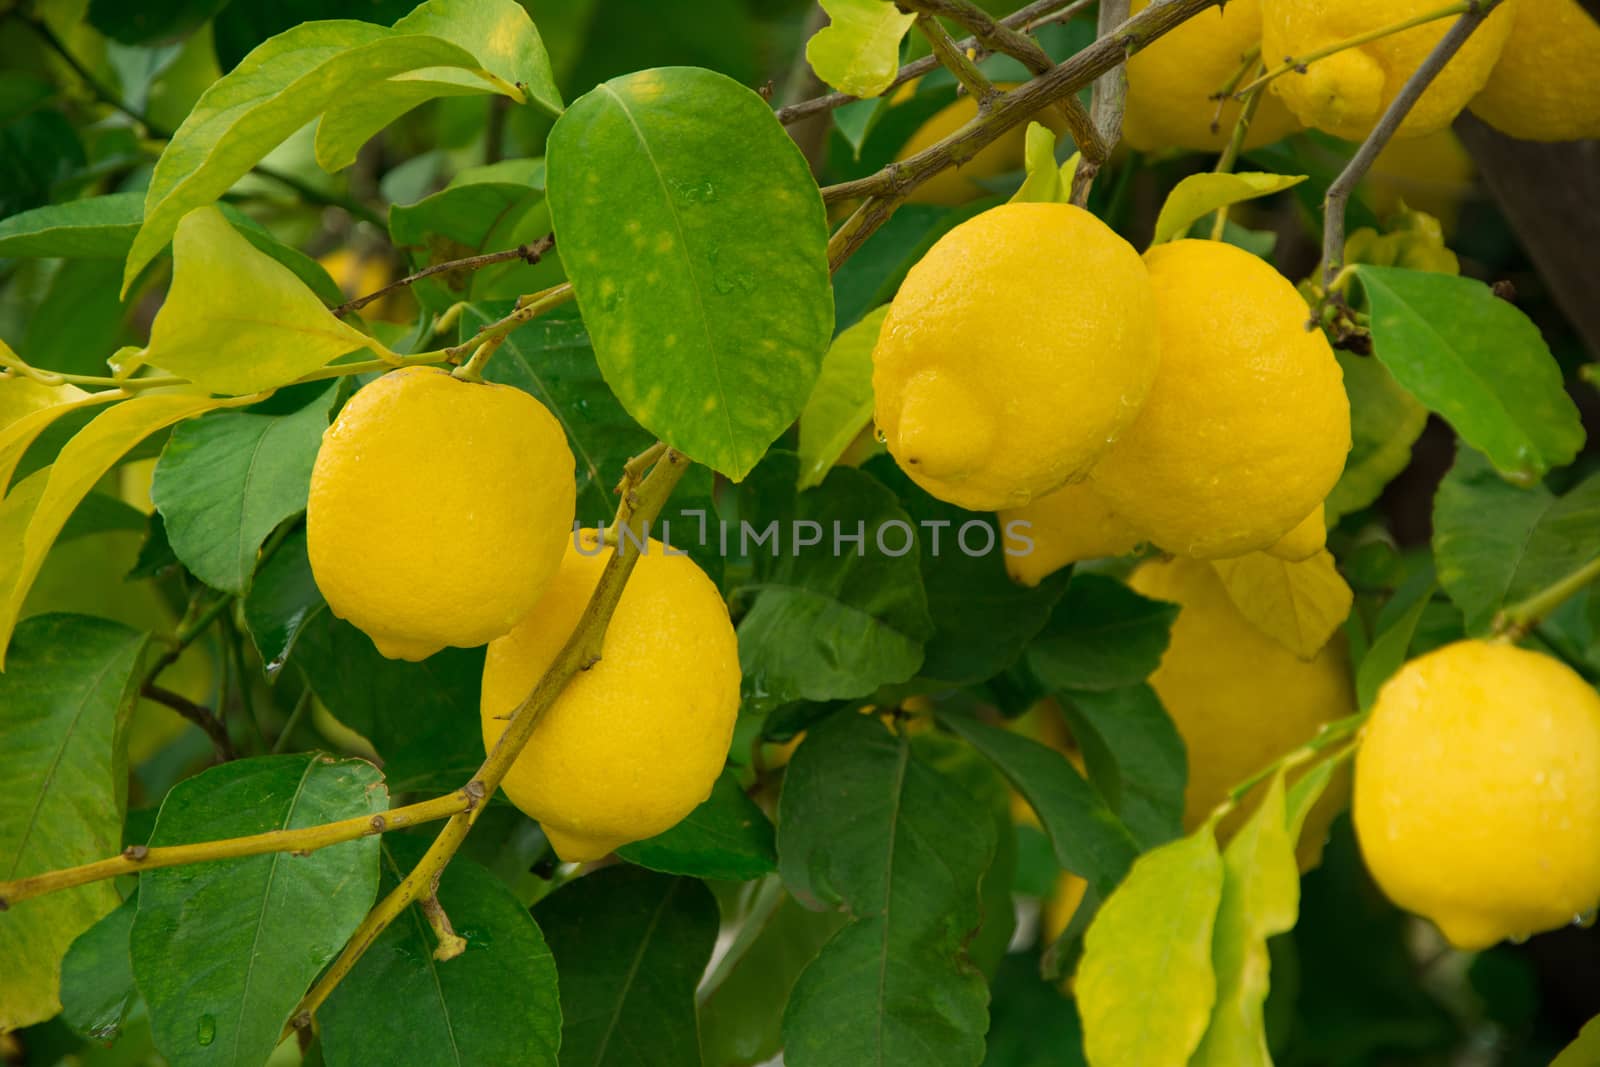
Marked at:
<point>1110,99</point>
<point>956,62</point>
<point>200,716</point>
<point>1338,198</point>
<point>529,253</point>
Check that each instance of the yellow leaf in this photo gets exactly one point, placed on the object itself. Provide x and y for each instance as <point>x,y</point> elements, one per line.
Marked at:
<point>238,321</point>
<point>858,52</point>
<point>82,462</point>
<point>1046,182</point>
<point>1299,605</point>
<point>1200,194</point>
<point>27,409</point>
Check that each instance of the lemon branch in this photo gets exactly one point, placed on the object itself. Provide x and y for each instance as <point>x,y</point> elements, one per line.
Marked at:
<point>642,500</point>
<point>483,344</point>
<point>138,858</point>
<point>1338,197</point>
<point>1515,621</point>
<point>956,61</point>
<point>529,253</point>
<point>1105,110</point>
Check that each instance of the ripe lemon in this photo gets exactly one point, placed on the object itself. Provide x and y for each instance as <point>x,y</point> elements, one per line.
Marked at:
<point>438,510</point>
<point>1432,174</point>
<point>1015,352</point>
<point>1247,427</point>
<point>1544,88</point>
<point>634,743</point>
<point>1239,699</point>
<point>1477,797</point>
<point>1171,84</point>
<point>1346,93</point>
<point>1071,524</point>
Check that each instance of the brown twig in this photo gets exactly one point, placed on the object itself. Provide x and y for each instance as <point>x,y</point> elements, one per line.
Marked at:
<point>1110,98</point>
<point>529,253</point>
<point>956,62</point>
<point>200,716</point>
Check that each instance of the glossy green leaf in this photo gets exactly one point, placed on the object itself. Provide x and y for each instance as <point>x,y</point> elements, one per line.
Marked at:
<point>83,462</point>
<point>80,321</point>
<point>1495,543</point>
<point>283,598</point>
<point>1298,604</point>
<point>1394,629</point>
<point>224,482</point>
<point>841,404</point>
<point>830,620</point>
<point>1200,194</point>
<point>727,837</point>
<point>500,35</point>
<point>1477,361</point>
<point>235,320</point>
<point>858,52</point>
<point>1146,985</point>
<point>1385,421</point>
<point>223,951</point>
<point>503,209</point>
<point>64,700</point>
<point>1135,757</point>
<point>97,977</point>
<point>1102,635</point>
<point>868,826</point>
<point>696,240</point>
<point>98,227</point>
<point>1089,840</point>
<point>494,1003</point>
<point>630,946</point>
<point>1032,1023</point>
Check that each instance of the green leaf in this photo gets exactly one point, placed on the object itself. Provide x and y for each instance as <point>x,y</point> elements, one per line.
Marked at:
<point>696,240</point>
<point>1385,421</point>
<point>279,87</point>
<point>283,598</point>
<point>871,276</point>
<point>1135,757</point>
<point>97,227</point>
<point>494,1003</point>
<point>1146,985</point>
<point>97,977</point>
<point>866,825</point>
<point>239,28</point>
<point>630,946</point>
<point>83,462</point>
<point>223,951</point>
<point>150,20</point>
<point>79,321</point>
<point>472,217</point>
<point>1088,839</point>
<point>64,700</point>
<point>235,320</point>
<point>858,52</point>
<point>1260,898</point>
<point>422,718</point>
<point>1495,543</point>
<point>1477,361</point>
<point>1200,194</point>
<point>1102,635</point>
<point>841,404</point>
<point>1031,1023</point>
<point>224,482</point>
<point>830,622</point>
<point>727,838</point>
<point>1396,625</point>
<point>742,1001</point>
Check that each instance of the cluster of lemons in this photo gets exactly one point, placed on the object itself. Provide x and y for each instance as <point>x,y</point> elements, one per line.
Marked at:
<point>441,514</point>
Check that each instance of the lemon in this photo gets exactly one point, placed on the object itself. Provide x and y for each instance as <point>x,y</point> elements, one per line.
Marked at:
<point>1015,352</point>
<point>1544,87</point>
<point>1071,524</point>
<point>1305,540</point>
<point>1247,427</point>
<point>635,742</point>
<point>438,510</point>
<point>1477,796</point>
<point>1239,698</point>
<point>957,185</point>
<point>1346,93</point>
<point>1171,84</point>
<point>1433,174</point>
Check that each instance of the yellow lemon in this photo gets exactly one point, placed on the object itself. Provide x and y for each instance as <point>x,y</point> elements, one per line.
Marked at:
<point>1172,82</point>
<point>1433,174</point>
<point>438,510</point>
<point>1477,797</point>
<point>635,742</point>
<point>1015,352</point>
<point>1544,87</point>
<point>1071,524</point>
<point>1240,699</point>
<point>1346,93</point>
<point>1305,540</point>
<point>1247,427</point>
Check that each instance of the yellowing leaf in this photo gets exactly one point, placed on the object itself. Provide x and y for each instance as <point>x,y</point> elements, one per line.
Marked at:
<point>27,409</point>
<point>1584,1050</point>
<point>858,52</point>
<point>85,459</point>
<point>238,321</point>
<point>20,396</point>
<point>1200,194</point>
<point>841,403</point>
<point>1046,182</point>
<point>1299,605</point>
<point>1146,986</point>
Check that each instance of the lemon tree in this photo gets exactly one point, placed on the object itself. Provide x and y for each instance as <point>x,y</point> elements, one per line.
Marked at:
<point>937,534</point>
